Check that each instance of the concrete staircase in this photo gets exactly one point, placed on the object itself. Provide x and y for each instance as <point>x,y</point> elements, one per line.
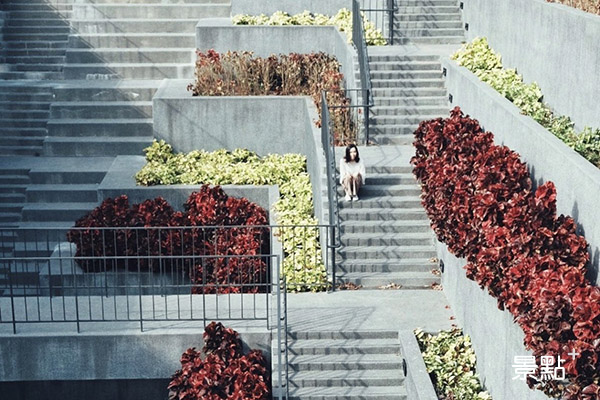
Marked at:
<point>13,183</point>
<point>35,36</point>
<point>428,22</point>
<point>406,90</point>
<point>345,365</point>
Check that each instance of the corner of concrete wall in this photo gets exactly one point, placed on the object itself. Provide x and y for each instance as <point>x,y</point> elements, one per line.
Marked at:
<point>418,384</point>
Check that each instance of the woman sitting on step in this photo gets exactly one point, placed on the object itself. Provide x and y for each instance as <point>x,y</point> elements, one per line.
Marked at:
<point>352,172</point>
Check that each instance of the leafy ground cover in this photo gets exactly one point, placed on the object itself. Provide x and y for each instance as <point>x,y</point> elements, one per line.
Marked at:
<point>480,59</point>
<point>591,6</point>
<point>230,267</point>
<point>243,74</point>
<point>450,362</point>
<point>481,203</point>
<point>303,265</point>
<point>343,20</point>
<point>221,371</point>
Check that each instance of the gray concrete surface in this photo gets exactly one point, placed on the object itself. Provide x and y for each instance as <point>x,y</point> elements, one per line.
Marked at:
<point>548,158</point>
<point>417,382</point>
<point>264,124</point>
<point>219,34</point>
<point>551,44</point>
<point>253,7</point>
<point>495,337</point>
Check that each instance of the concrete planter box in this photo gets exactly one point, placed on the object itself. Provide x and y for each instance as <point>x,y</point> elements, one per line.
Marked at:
<point>264,124</point>
<point>257,7</point>
<point>417,382</point>
<point>496,339</point>
<point>551,44</point>
<point>219,34</point>
<point>548,158</point>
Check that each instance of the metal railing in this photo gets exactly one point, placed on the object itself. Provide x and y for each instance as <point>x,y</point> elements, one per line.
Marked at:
<point>358,38</point>
<point>381,14</point>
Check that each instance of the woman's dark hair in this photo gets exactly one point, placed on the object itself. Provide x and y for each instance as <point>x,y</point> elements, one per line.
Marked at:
<point>347,157</point>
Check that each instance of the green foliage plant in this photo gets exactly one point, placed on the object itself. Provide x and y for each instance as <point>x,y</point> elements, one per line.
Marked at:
<point>342,20</point>
<point>480,59</point>
<point>303,264</point>
<point>450,361</point>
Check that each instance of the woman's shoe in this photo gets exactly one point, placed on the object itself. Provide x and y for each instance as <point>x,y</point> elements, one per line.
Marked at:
<point>355,198</point>
<point>348,198</point>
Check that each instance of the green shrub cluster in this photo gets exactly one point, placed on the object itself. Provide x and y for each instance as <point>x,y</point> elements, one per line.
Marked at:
<point>480,59</point>
<point>343,20</point>
<point>450,361</point>
<point>303,264</point>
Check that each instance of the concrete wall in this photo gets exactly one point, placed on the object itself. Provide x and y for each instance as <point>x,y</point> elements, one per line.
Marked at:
<point>257,7</point>
<point>548,158</point>
<point>108,358</point>
<point>264,124</point>
<point>495,337</point>
<point>220,35</point>
<point>418,384</point>
<point>554,45</point>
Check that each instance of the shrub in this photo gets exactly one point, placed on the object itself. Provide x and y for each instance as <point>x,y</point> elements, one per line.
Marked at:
<point>182,248</point>
<point>591,6</point>
<point>480,200</point>
<point>242,74</point>
<point>303,264</point>
<point>342,20</point>
<point>480,59</point>
<point>450,361</point>
<point>224,373</point>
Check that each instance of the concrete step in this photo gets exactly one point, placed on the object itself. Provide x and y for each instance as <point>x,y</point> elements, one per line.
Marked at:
<point>36,36</point>
<point>59,192</point>
<point>394,140</point>
<point>41,15</point>
<point>389,169</point>
<point>382,202</point>
<point>23,123</point>
<point>370,266</point>
<point>367,334</point>
<point>387,239</point>
<point>404,119</point>
<point>97,146</point>
<point>63,211</point>
<point>409,92</point>
<point>411,101</point>
<point>13,179</point>
<point>108,91</point>
<point>345,362</point>
<point>22,132</point>
<point>336,393</point>
<point>131,25</point>
<point>36,29</point>
<point>133,40</point>
<point>409,110</point>
<point>130,56</point>
<point>406,280</point>
<point>394,131</point>
<point>26,67</point>
<point>11,208</point>
<point>391,179</point>
<point>376,66</point>
<point>181,70</point>
<point>19,141</point>
<point>98,110</point>
<point>344,346</point>
<point>388,190</point>
<point>407,83</point>
<point>67,177</point>
<point>158,1</point>
<point>406,74</point>
<point>88,128</point>
<point>424,24</point>
<point>400,17</point>
<point>15,150</point>
<point>8,217</point>
<point>12,114</point>
<point>39,44</point>
<point>432,40</point>
<point>33,52</point>
<point>427,32</point>
<point>386,252</point>
<point>29,20</point>
<point>402,9</point>
<point>344,379</point>
<point>30,75</point>
<point>150,11</point>
<point>394,226</point>
<point>36,6</point>
<point>36,60</point>
<point>11,198</point>
<point>24,105</point>
<point>404,58</point>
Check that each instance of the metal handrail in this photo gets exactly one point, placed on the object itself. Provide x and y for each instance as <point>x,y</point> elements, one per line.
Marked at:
<point>329,149</point>
<point>358,38</point>
<point>389,9</point>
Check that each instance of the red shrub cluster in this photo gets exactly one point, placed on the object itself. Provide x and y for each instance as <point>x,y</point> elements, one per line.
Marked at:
<point>480,201</point>
<point>216,240</point>
<point>225,372</point>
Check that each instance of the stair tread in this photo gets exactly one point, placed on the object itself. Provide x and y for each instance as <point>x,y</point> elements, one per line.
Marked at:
<point>100,121</point>
<point>62,187</point>
<point>102,103</point>
<point>350,374</point>
<point>347,343</point>
<point>374,261</point>
<point>296,359</point>
<point>349,390</point>
<point>350,249</point>
<point>61,206</point>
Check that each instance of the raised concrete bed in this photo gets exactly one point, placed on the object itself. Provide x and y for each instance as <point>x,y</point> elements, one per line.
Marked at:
<point>219,34</point>
<point>552,44</point>
<point>257,7</point>
<point>496,339</point>
<point>264,124</point>
<point>548,158</point>
<point>417,381</point>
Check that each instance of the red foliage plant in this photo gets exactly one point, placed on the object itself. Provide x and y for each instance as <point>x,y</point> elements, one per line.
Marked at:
<point>481,203</point>
<point>218,240</point>
<point>224,373</point>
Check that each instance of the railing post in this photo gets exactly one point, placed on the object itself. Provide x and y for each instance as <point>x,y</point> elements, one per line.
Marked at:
<point>333,263</point>
<point>390,7</point>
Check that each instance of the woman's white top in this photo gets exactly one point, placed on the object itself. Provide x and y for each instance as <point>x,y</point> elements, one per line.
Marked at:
<point>352,168</point>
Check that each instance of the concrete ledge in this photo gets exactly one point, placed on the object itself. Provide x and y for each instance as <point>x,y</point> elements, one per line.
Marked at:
<point>257,7</point>
<point>548,158</point>
<point>496,339</point>
<point>264,124</point>
<point>219,34</point>
<point>418,384</point>
<point>551,44</point>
